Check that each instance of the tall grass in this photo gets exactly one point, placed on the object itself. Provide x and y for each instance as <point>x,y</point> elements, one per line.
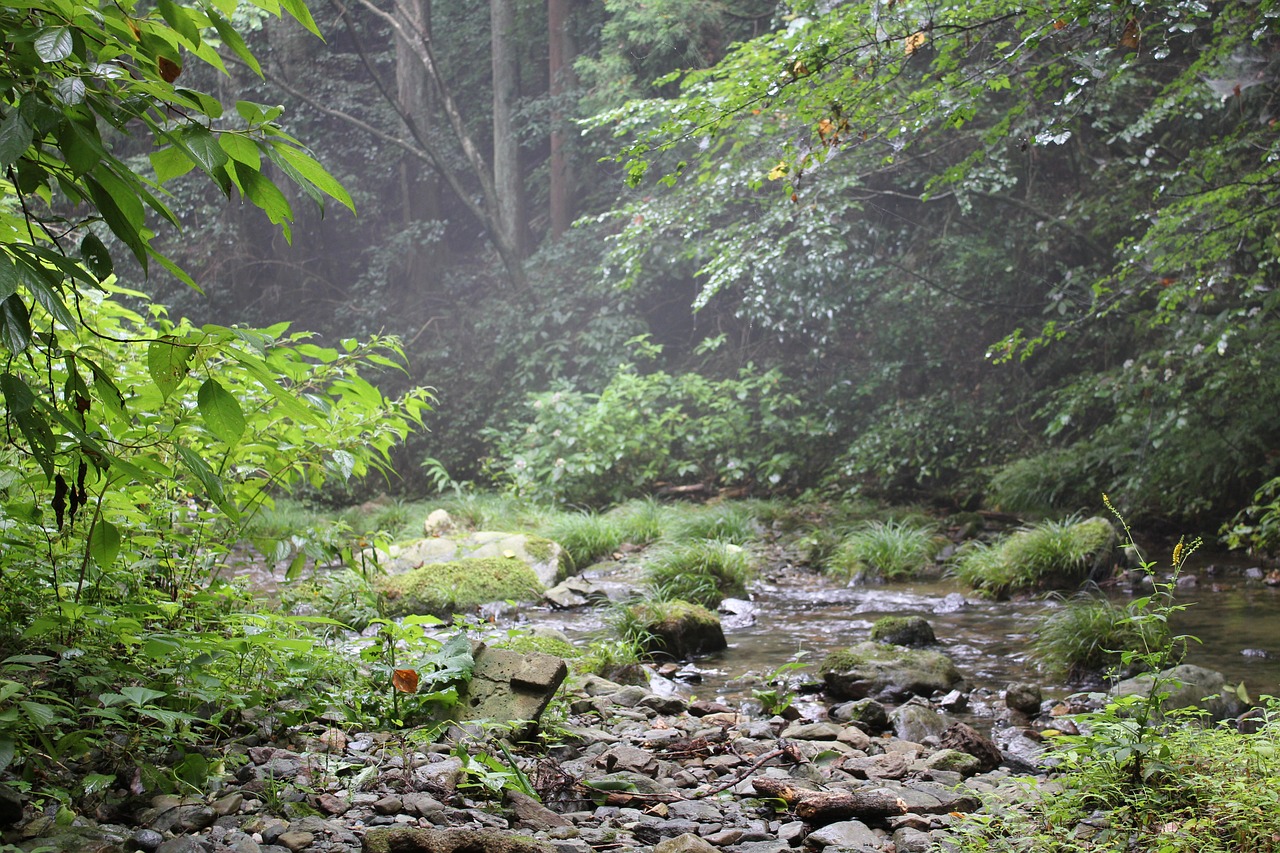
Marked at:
<point>1089,636</point>
<point>1049,555</point>
<point>884,550</point>
<point>703,571</point>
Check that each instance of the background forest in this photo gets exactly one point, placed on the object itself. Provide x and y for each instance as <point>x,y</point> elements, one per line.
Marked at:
<point>1019,260</point>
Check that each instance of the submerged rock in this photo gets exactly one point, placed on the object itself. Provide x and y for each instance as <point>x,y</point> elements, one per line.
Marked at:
<point>680,629</point>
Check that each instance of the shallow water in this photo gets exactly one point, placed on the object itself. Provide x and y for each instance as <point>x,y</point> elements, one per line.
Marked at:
<point>989,641</point>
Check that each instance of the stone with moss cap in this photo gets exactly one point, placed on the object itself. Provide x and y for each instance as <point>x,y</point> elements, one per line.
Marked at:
<point>903,631</point>
<point>871,669</point>
<point>457,586</point>
<point>548,561</point>
<point>679,629</point>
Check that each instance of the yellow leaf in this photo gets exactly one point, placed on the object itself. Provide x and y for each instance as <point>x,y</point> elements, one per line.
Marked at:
<point>509,554</point>
<point>914,42</point>
<point>779,171</point>
<point>404,680</point>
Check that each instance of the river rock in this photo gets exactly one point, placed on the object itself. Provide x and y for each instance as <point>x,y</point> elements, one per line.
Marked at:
<point>506,686</point>
<point>1188,686</point>
<point>686,843</point>
<point>680,629</point>
<point>912,631</point>
<point>870,669</point>
<point>1023,698</point>
<point>439,523</point>
<point>916,721</point>
<point>867,714</point>
<point>965,738</point>
<point>847,835</point>
<point>406,839</point>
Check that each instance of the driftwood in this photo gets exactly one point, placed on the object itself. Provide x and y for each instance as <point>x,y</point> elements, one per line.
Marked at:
<point>831,806</point>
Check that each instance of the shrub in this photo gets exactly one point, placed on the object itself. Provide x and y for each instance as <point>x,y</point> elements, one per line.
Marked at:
<point>1049,555</point>
<point>884,550</point>
<point>645,428</point>
<point>1089,636</point>
<point>703,571</point>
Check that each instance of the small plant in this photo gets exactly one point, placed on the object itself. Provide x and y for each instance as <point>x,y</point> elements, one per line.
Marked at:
<point>776,697</point>
<point>884,550</point>
<point>702,571</point>
<point>1089,634</point>
<point>1049,555</point>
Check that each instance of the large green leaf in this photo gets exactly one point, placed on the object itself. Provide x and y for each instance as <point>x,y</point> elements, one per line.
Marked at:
<point>15,324</point>
<point>122,211</point>
<point>203,147</point>
<point>9,278</point>
<point>21,404</point>
<point>54,44</point>
<point>232,39</point>
<point>312,172</point>
<point>96,257</point>
<point>221,411</point>
<point>180,18</point>
<point>265,194</point>
<point>104,543</point>
<point>171,162</point>
<point>15,138</point>
<point>168,362</point>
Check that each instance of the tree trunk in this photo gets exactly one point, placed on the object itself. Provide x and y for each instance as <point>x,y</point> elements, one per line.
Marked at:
<point>419,187</point>
<point>561,50</point>
<point>508,179</point>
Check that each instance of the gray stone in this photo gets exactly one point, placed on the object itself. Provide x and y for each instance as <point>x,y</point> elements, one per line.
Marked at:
<point>534,814</point>
<point>407,839</point>
<point>955,761</point>
<point>846,834</point>
<point>652,829</point>
<point>867,714</point>
<point>295,840</point>
<point>439,523</point>
<point>388,805</point>
<point>181,844</point>
<point>915,722</point>
<point>908,840</point>
<point>507,686</point>
<point>872,668</point>
<point>1188,686</point>
<point>812,731</point>
<point>147,839</point>
<point>699,810</point>
<point>1024,698</point>
<point>686,843</point>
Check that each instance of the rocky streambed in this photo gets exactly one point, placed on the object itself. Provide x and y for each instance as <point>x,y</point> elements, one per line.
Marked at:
<point>625,769</point>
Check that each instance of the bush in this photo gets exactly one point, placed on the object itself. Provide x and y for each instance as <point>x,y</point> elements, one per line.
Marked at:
<point>1049,555</point>
<point>884,550</point>
<point>1089,637</point>
<point>648,428</point>
<point>704,571</point>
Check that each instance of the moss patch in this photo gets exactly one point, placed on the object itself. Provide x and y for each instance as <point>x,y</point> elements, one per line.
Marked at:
<point>459,586</point>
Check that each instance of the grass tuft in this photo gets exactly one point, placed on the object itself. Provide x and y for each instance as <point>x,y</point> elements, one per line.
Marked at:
<point>884,550</point>
<point>1049,555</point>
<point>703,571</point>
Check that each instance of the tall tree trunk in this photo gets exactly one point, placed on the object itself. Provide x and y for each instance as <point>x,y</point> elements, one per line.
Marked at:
<point>419,187</point>
<point>561,50</point>
<point>508,178</point>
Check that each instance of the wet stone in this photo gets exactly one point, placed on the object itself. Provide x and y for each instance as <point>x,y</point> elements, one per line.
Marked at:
<point>147,839</point>
<point>846,834</point>
<point>650,830</point>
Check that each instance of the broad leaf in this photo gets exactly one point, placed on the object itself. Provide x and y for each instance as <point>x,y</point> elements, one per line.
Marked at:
<point>15,138</point>
<point>96,257</point>
<point>314,173</point>
<point>168,363</point>
<point>104,544</point>
<point>15,324</point>
<point>221,411</point>
<point>54,44</point>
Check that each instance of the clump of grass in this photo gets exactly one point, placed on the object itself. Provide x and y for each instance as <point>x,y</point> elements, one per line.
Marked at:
<point>726,522</point>
<point>585,536</point>
<point>884,550</point>
<point>1049,555</point>
<point>1089,636</point>
<point>642,522</point>
<point>703,571</point>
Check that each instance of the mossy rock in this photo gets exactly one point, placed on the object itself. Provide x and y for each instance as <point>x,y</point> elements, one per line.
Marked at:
<point>412,839</point>
<point>679,629</point>
<point>548,561</point>
<point>903,631</point>
<point>458,586</point>
<point>871,669</point>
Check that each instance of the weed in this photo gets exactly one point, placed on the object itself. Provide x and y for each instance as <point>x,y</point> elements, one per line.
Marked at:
<point>702,571</point>
<point>884,550</point>
<point>1088,635</point>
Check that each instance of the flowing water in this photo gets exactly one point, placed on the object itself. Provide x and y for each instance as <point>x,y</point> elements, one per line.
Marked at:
<point>989,640</point>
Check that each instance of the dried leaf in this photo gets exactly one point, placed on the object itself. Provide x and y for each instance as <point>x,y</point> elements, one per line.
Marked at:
<point>1131,38</point>
<point>169,70</point>
<point>779,171</point>
<point>914,42</point>
<point>405,680</point>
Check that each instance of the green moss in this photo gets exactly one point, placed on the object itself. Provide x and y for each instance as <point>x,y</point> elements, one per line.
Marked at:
<point>459,586</point>
<point>669,615</point>
<point>538,548</point>
<point>525,643</point>
<point>903,631</point>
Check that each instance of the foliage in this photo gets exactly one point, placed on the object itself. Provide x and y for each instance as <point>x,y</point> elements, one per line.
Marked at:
<point>702,571</point>
<point>643,521</point>
<point>342,595</point>
<point>1089,635</point>
<point>1048,555</point>
<point>884,550</point>
<point>645,429</point>
<point>1257,527</point>
<point>727,521</point>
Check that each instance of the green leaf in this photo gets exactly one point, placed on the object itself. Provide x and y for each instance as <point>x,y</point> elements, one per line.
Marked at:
<point>124,217</point>
<point>203,147</point>
<point>7,750</point>
<point>104,544</point>
<point>168,362</point>
<point>53,44</point>
<point>9,278</point>
<point>41,715</point>
<point>21,403</point>
<point>221,411</point>
<point>81,144</point>
<point>298,9</point>
<point>50,301</point>
<point>96,257</point>
<point>170,163</point>
<point>312,172</point>
<point>265,194</point>
<point>242,149</point>
<point>15,138</point>
<point>95,782</point>
<point>232,39</point>
<point>180,19</point>
<point>141,695</point>
<point>211,482</point>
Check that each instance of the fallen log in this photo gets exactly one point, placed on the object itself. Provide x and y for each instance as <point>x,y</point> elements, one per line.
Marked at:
<point>830,806</point>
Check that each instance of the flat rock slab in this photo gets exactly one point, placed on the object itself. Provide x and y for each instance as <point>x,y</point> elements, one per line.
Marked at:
<point>507,686</point>
<point>408,839</point>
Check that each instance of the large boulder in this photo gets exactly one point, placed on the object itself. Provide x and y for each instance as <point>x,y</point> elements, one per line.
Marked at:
<point>458,586</point>
<point>873,669</point>
<point>1188,686</point>
<point>545,558</point>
